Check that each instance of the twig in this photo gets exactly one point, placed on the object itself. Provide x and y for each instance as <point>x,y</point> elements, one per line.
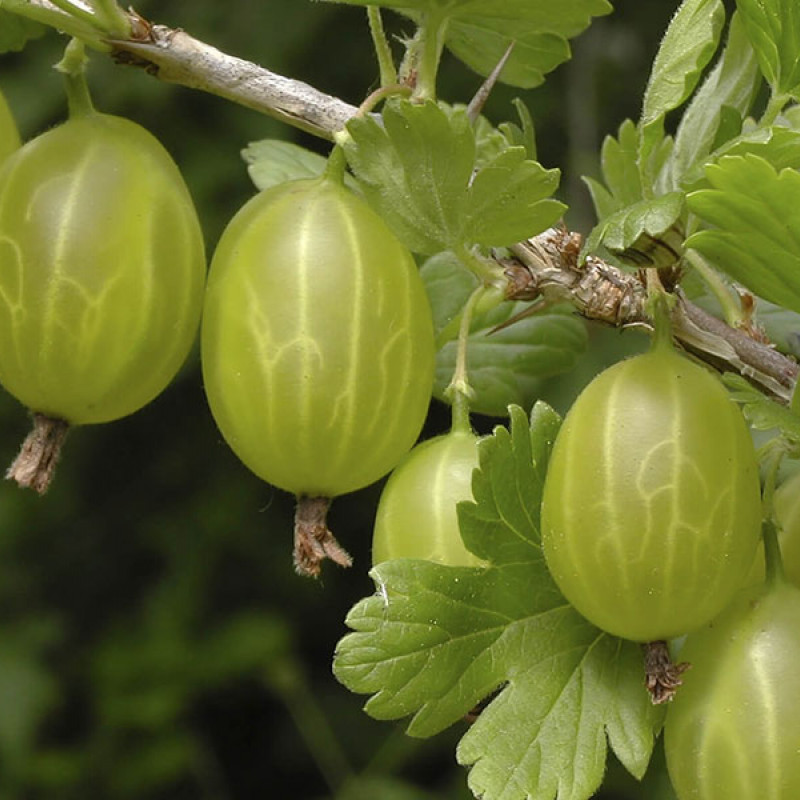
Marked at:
<point>176,57</point>
<point>548,266</point>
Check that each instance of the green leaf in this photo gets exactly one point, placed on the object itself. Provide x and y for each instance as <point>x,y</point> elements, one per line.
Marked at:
<point>618,162</point>
<point>419,170</point>
<point>524,134</point>
<point>641,232</point>
<point>781,326</point>
<point>688,45</point>
<point>415,170</point>
<point>506,366</point>
<point>272,161</point>
<point>756,214</point>
<point>762,413</point>
<point>15,31</point>
<point>480,31</point>
<point>729,90</point>
<point>435,641</point>
<point>774,30</point>
<point>509,200</point>
<point>778,145</point>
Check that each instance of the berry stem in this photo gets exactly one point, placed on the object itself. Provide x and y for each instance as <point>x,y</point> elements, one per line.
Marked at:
<point>35,465</point>
<point>662,674</point>
<point>313,540</point>
<point>73,67</point>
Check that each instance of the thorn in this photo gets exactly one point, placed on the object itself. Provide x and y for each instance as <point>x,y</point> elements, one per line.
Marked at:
<point>482,95</point>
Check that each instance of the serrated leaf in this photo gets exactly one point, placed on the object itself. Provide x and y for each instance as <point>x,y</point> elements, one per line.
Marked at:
<point>567,751</point>
<point>774,30</point>
<point>479,31</point>
<point>687,47</point>
<point>273,161</point>
<point>502,525</point>
<point>640,227</point>
<point>509,200</point>
<point>761,412</point>
<point>524,134</point>
<point>16,31</point>
<point>778,145</point>
<point>719,105</point>
<point>619,165</point>
<point>756,214</point>
<point>508,366</point>
<point>415,170</point>
<point>419,171</point>
<point>434,641</point>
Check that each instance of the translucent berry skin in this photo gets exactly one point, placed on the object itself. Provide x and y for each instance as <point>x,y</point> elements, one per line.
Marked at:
<point>416,515</point>
<point>9,135</point>
<point>317,340</point>
<point>651,508</point>
<point>102,269</point>
<point>733,730</point>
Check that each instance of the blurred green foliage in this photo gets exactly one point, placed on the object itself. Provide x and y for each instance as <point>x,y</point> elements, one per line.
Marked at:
<point>155,642</point>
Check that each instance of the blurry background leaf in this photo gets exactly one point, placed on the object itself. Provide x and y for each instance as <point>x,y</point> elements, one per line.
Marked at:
<point>15,31</point>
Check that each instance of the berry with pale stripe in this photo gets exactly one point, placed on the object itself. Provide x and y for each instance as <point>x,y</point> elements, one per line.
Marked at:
<point>651,508</point>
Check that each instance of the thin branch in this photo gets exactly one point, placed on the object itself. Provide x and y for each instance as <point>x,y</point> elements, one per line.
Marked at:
<point>547,266</point>
<point>176,57</point>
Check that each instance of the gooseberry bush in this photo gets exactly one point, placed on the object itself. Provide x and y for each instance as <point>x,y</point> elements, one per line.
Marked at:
<point>563,591</point>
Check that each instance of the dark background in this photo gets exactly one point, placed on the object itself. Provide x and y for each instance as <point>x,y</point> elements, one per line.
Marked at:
<point>155,642</point>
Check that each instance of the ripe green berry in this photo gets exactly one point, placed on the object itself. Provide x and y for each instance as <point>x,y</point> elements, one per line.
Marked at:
<point>416,515</point>
<point>651,509</point>
<point>317,342</point>
<point>733,730</point>
<point>102,270</point>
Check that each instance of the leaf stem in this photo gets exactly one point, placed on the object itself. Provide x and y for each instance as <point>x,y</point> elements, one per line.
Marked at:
<point>59,15</point>
<point>660,306</point>
<point>76,11</point>
<point>488,272</point>
<point>430,42</point>
<point>382,49</point>
<point>112,19</point>
<point>73,67</point>
<point>731,309</point>
<point>769,532</point>
<point>459,391</point>
<point>776,104</point>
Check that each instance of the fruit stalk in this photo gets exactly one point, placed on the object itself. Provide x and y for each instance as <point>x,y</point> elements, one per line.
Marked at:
<point>35,465</point>
<point>313,540</point>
